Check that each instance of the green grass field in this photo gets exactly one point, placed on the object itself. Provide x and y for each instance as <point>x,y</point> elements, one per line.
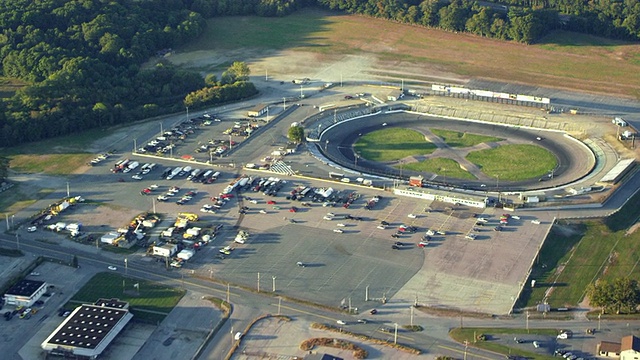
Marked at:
<point>152,303</point>
<point>514,162</point>
<point>467,334</point>
<point>576,254</point>
<point>457,139</point>
<point>441,166</point>
<point>392,144</point>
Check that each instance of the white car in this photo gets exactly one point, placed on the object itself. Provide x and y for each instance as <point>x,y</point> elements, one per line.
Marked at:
<point>339,231</point>
<point>381,227</point>
<point>163,198</point>
<point>515,217</point>
<point>153,187</point>
<point>238,336</point>
<point>263,212</point>
<point>341,322</point>
<point>341,225</point>
<point>328,218</point>
<point>112,268</point>
<point>253,201</point>
<point>136,177</point>
<point>331,214</point>
<point>536,344</point>
<point>537,222</point>
<point>412,216</point>
<point>384,124</point>
<point>32,229</point>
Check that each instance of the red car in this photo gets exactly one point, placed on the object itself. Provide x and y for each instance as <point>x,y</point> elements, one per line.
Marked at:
<point>293,209</point>
<point>145,191</point>
<point>271,202</point>
<point>226,196</point>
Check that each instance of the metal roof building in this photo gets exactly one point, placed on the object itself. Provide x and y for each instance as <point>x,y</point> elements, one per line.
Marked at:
<point>89,330</point>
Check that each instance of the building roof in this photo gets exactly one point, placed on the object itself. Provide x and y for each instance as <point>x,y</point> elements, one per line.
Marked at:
<point>25,288</point>
<point>630,343</point>
<point>112,303</point>
<point>609,347</point>
<point>321,357</point>
<point>87,326</point>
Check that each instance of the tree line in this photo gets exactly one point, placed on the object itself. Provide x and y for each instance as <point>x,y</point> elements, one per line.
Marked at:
<point>520,20</point>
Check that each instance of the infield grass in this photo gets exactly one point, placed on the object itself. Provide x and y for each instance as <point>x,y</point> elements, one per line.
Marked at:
<point>467,334</point>
<point>441,166</point>
<point>392,144</point>
<point>458,139</point>
<point>152,303</point>
<point>514,162</point>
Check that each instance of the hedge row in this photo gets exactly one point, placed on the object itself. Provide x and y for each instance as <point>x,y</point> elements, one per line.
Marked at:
<point>358,352</point>
<point>363,337</point>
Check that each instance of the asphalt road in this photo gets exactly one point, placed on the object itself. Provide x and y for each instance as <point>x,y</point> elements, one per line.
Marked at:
<point>248,305</point>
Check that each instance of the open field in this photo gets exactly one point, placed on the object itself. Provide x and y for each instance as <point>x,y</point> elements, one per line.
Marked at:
<point>457,139</point>
<point>562,60</point>
<point>151,301</point>
<point>514,162</point>
<point>577,254</point>
<point>443,166</point>
<point>392,144</point>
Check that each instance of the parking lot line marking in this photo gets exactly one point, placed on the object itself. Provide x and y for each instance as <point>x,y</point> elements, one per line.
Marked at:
<point>475,355</point>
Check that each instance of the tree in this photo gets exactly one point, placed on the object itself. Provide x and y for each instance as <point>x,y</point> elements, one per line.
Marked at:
<point>296,134</point>
<point>619,295</point>
<point>239,70</point>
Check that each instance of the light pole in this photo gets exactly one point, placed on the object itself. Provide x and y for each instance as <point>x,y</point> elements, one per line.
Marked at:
<point>273,278</point>
<point>161,129</point>
<point>527,322</point>
<point>126,266</point>
<point>228,293</point>
<point>284,104</point>
<point>279,304</point>
<point>326,145</point>
<point>13,217</point>
<point>599,321</point>
<point>211,272</point>
<point>411,307</point>
<point>395,334</point>
<point>301,94</point>
<point>187,113</point>
<point>258,282</point>
<point>18,246</point>
<point>68,190</point>
<point>466,344</point>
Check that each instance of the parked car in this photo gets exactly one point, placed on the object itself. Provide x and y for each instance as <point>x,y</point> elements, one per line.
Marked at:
<point>339,231</point>
<point>341,322</point>
<point>112,268</point>
<point>32,229</point>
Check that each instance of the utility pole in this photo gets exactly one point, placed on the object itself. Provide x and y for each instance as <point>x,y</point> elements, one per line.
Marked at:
<point>527,322</point>
<point>258,282</point>
<point>349,305</point>
<point>279,304</point>
<point>274,283</point>
<point>284,104</point>
<point>18,246</point>
<point>599,315</point>
<point>228,294</point>
<point>126,267</point>
<point>68,191</point>
<point>366,293</point>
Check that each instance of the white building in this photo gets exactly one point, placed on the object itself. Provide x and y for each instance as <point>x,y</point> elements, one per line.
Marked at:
<point>630,348</point>
<point>166,250</point>
<point>25,293</point>
<point>89,330</point>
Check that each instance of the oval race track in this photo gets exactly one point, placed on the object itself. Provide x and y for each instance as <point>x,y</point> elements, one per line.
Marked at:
<point>575,160</point>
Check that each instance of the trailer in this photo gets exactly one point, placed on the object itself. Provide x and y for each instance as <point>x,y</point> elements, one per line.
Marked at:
<point>132,166</point>
<point>194,174</point>
<point>174,173</point>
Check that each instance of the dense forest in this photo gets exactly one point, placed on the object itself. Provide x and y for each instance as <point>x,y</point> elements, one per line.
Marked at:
<point>82,59</point>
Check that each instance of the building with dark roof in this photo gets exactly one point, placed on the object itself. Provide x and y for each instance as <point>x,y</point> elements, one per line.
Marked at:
<point>25,292</point>
<point>630,348</point>
<point>608,349</point>
<point>89,330</point>
<point>321,357</point>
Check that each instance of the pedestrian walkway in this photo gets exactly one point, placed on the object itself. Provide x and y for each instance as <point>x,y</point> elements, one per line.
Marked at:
<point>280,167</point>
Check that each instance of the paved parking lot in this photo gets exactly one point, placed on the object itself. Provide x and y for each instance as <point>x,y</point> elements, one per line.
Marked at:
<point>481,275</point>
